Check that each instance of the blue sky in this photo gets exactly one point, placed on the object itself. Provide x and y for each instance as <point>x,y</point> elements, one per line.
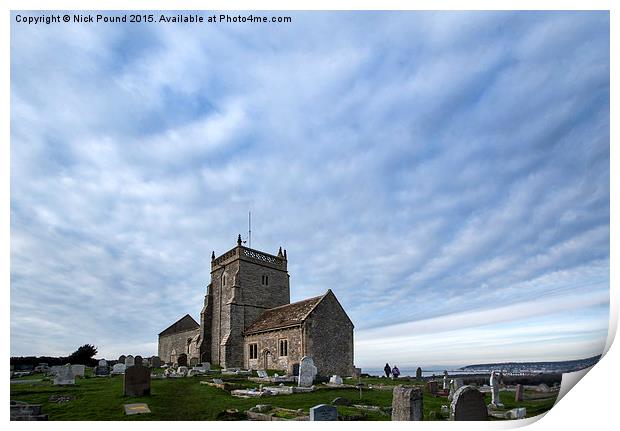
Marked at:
<point>445,174</point>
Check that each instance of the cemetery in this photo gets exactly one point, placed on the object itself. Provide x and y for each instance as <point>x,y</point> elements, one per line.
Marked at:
<point>110,391</point>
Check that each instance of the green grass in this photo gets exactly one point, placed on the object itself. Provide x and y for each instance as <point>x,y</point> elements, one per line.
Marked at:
<point>186,399</point>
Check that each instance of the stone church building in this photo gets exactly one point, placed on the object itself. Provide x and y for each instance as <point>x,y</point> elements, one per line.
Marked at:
<point>248,321</point>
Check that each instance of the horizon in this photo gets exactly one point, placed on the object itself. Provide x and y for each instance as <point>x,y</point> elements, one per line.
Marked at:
<point>446,175</point>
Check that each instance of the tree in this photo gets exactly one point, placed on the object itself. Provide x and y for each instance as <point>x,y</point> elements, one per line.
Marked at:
<point>83,355</point>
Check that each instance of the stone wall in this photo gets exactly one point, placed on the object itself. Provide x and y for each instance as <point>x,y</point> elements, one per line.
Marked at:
<point>269,341</point>
<point>177,342</point>
<point>328,338</point>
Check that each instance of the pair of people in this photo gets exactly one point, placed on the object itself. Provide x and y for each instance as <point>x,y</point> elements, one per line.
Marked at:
<point>394,371</point>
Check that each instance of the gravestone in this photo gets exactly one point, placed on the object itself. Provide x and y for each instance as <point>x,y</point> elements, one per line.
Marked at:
<point>65,376</point>
<point>138,360</point>
<point>118,369</point>
<point>323,412</point>
<point>129,361</point>
<point>262,374</point>
<point>134,409</point>
<point>193,361</point>
<point>357,372</point>
<point>78,370</point>
<point>307,372</point>
<point>102,369</point>
<point>432,387</point>
<point>519,393</point>
<point>335,380</point>
<point>418,374</point>
<point>182,370</point>
<point>445,381</point>
<point>55,369</point>
<point>218,381</point>
<point>137,381</point>
<point>518,413</point>
<point>468,405</point>
<point>121,359</point>
<point>407,404</point>
<point>155,362</point>
<point>494,380</point>
<point>341,401</point>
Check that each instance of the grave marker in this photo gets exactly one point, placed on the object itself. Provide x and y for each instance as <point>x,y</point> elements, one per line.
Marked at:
<point>323,412</point>
<point>468,405</point>
<point>407,404</point>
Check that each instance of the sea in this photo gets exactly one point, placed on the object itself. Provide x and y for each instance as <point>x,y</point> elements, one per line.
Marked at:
<point>405,372</point>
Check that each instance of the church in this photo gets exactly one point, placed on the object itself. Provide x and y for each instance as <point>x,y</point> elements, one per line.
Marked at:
<point>248,321</point>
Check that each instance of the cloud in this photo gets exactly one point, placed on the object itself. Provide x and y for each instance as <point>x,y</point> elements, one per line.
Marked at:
<point>429,170</point>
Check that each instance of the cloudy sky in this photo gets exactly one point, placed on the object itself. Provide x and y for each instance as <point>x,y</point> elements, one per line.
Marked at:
<point>445,174</point>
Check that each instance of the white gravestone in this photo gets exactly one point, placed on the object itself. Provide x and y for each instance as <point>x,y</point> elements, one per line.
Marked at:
<point>118,369</point>
<point>78,370</point>
<point>307,372</point>
<point>323,412</point>
<point>103,363</point>
<point>65,376</point>
<point>129,361</point>
<point>445,381</point>
<point>262,374</point>
<point>494,381</point>
<point>335,380</point>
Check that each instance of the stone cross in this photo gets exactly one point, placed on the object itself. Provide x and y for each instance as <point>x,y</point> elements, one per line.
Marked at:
<point>407,404</point>
<point>468,405</point>
<point>323,412</point>
<point>137,381</point>
<point>307,372</point>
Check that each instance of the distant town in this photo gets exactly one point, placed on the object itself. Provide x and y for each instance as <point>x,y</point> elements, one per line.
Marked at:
<point>534,367</point>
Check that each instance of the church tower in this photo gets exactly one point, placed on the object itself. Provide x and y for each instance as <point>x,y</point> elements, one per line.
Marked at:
<point>244,283</point>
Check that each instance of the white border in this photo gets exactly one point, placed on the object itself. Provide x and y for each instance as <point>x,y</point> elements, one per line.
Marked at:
<point>588,406</point>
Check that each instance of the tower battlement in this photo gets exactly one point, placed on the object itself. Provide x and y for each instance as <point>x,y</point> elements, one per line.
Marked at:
<point>251,255</point>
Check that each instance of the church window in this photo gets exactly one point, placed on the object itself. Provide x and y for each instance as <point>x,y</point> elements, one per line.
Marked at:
<point>283,347</point>
<point>223,279</point>
<point>253,348</point>
<point>264,280</point>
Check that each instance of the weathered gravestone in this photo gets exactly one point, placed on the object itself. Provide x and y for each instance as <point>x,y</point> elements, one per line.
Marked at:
<point>118,369</point>
<point>103,363</point>
<point>307,372</point>
<point>262,374</point>
<point>134,409</point>
<point>138,360</point>
<point>407,404</point>
<point>468,405</point>
<point>193,361</point>
<point>121,359</point>
<point>129,361</point>
<point>323,412</point>
<point>445,381</point>
<point>137,381</point>
<point>418,374</point>
<point>335,380</point>
<point>65,376</point>
<point>78,370</point>
<point>102,369</point>
<point>494,381</point>
<point>155,362</point>
<point>519,393</point>
<point>432,387</point>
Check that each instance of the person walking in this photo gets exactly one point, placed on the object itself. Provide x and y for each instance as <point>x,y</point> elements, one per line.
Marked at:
<point>387,370</point>
<point>395,372</point>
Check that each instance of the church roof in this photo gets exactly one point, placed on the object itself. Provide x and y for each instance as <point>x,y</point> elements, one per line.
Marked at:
<point>185,323</point>
<point>284,316</point>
